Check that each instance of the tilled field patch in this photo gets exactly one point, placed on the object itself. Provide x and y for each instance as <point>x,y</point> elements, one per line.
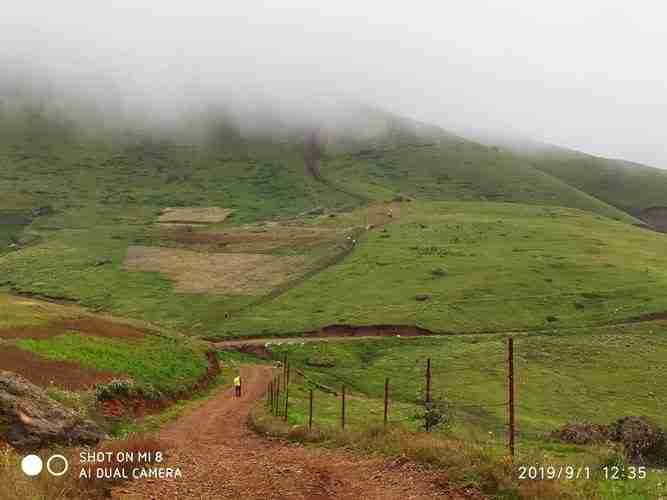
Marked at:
<point>233,273</point>
<point>251,239</point>
<point>196,215</point>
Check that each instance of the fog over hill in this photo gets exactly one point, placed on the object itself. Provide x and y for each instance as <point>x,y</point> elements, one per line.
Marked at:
<point>559,75</point>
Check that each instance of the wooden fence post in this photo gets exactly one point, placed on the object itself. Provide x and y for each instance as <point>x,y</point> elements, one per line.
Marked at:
<point>427,399</point>
<point>310,411</point>
<point>386,400</point>
<point>273,395</point>
<point>286,393</point>
<point>428,380</point>
<point>342,413</point>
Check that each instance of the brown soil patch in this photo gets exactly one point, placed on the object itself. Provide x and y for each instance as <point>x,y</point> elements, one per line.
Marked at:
<point>195,272</point>
<point>254,239</point>
<point>46,372</point>
<point>371,331</point>
<point>380,214</point>
<point>221,458</point>
<point>196,215</point>
<point>644,318</point>
<point>88,325</point>
<point>656,217</point>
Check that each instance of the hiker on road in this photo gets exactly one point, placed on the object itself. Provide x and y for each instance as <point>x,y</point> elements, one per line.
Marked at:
<point>237,386</point>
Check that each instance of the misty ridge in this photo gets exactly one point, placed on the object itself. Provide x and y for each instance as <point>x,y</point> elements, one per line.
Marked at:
<point>88,104</point>
<point>517,74</point>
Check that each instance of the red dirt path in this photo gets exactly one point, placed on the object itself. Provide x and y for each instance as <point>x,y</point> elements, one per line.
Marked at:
<point>221,458</point>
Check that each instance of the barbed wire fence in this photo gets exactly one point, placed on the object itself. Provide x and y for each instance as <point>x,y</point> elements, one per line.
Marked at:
<point>504,396</point>
<point>278,398</point>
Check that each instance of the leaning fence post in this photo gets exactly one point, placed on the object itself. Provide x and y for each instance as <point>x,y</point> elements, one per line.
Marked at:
<point>386,400</point>
<point>342,413</point>
<point>269,394</point>
<point>310,411</point>
<point>273,393</point>
<point>286,392</point>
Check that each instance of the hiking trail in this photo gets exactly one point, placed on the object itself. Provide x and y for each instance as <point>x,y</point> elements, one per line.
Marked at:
<point>221,458</point>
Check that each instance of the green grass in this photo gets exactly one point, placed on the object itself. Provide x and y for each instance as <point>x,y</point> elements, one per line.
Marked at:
<point>628,186</point>
<point>106,196</point>
<point>169,365</point>
<point>485,239</point>
<point>508,267</point>
<point>459,170</point>
<point>597,376</point>
<point>106,192</point>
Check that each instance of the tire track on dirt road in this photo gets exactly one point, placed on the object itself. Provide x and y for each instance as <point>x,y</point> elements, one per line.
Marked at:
<point>221,458</point>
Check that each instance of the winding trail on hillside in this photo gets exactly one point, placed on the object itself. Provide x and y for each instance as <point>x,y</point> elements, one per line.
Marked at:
<point>221,458</point>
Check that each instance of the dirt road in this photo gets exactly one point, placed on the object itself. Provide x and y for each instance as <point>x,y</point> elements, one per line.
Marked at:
<point>221,458</point>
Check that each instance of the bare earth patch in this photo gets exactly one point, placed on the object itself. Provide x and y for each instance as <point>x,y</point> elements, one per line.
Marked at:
<point>251,238</point>
<point>656,217</point>
<point>89,325</point>
<point>46,372</point>
<point>195,272</point>
<point>200,215</point>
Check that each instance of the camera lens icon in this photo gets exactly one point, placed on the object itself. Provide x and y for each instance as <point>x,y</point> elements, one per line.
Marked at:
<point>57,472</point>
<point>56,465</point>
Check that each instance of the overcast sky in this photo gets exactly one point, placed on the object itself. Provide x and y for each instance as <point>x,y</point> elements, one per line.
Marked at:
<point>584,74</point>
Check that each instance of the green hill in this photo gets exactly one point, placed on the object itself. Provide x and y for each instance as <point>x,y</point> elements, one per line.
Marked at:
<point>633,188</point>
<point>89,206</point>
<point>482,267</point>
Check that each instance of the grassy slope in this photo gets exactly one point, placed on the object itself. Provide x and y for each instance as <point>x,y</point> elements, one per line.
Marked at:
<point>597,377</point>
<point>166,364</point>
<point>577,267</point>
<point>167,361</point>
<point>628,186</point>
<point>106,195</point>
<point>457,170</point>
<point>508,266</point>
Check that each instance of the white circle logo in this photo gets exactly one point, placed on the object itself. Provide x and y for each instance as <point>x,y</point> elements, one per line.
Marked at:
<point>51,471</point>
<point>31,465</point>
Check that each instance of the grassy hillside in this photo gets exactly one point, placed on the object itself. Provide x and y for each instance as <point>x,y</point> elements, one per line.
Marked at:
<point>92,234</point>
<point>457,170</point>
<point>558,377</point>
<point>482,267</point>
<point>62,346</point>
<point>628,186</point>
<point>597,377</point>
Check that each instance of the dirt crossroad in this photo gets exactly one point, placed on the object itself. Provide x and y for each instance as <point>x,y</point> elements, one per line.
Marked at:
<point>221,458</point>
